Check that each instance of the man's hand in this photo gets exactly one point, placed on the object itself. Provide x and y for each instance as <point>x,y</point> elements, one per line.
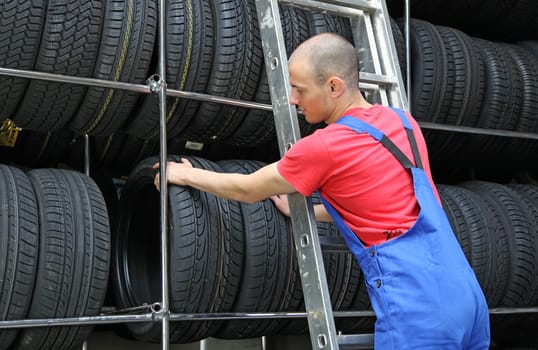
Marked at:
<point>176,172</point>
<point>281,202</point>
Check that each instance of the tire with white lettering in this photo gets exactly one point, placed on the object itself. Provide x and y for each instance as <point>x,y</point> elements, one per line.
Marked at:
<point>18,248</point>
<point>73,261</point>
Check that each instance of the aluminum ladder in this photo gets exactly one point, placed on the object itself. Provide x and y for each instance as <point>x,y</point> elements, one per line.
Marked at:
<point>381,80</point>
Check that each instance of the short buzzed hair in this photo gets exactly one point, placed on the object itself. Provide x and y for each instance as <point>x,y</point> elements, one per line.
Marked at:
<point>331,54</point>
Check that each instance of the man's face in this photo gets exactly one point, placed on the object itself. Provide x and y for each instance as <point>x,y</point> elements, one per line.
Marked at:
<point>306,94</point>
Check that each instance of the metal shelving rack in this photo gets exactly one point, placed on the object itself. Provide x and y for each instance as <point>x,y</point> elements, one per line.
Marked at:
<point>156,84</point>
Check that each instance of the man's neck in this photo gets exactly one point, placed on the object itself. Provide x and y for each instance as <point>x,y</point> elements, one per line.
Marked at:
<point>355,101</point>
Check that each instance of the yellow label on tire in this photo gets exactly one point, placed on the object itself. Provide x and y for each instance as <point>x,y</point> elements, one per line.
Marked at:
<point>8,133</point>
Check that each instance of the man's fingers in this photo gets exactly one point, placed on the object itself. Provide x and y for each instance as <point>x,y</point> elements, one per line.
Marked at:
<point>186,162</point>
<point>157,182</point>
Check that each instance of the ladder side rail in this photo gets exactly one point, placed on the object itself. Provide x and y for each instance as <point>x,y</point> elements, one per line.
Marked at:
<point>323,6</point>
<point>343,6</point>
<point>388,57</point>
<point>309,255</point>
<point>367,51</point>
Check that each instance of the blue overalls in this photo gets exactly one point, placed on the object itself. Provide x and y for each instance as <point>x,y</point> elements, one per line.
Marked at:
<point>424,292</point>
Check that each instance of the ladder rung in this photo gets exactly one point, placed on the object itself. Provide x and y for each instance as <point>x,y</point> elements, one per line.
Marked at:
<point>366,77</point>
<point>356,341</point>
<point>353,8</point>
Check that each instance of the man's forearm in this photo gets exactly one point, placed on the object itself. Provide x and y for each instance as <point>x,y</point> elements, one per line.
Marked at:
<point>321,213</point>
<point>230,186</point>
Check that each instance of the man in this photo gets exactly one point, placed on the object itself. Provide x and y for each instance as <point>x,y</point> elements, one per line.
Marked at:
<point>371,168</point>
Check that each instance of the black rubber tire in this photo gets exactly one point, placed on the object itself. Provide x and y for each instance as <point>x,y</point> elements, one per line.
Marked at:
<point>529,45</point>
<point>326,23</point>
<point>189,58</point>
<point>474,229</point>
<point>204,264</point>
<point>429,71</point>
<point>521,151</point>
<point>69,45</point>
<point>516,240</point>
<point>258,126</point>
<point>236,70</point>
<point>18,248</point>
<point>464,91</point>
<point>529,197</point>
<point>399,42</point>
<point>268,261</point>
<point>21,24</point>
<point>124,55</point>
<point>360,301</point>
<point>468,76</point>
<point>74,255</point>
<point>124,153</point>
<point>296,29</point>
<point>502,101</point>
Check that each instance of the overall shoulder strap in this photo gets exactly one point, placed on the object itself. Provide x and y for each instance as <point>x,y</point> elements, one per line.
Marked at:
<point>360,127</point>
<point>410,135</point>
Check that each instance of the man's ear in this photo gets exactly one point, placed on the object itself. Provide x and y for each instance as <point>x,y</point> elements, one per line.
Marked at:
<point>336,86</point>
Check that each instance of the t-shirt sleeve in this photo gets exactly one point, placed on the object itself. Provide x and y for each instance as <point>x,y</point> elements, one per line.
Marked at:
<point>306,164</point>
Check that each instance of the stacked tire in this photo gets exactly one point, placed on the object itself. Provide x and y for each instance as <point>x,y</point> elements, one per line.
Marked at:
<point>466,81</point>
<point>496,226</point>
<point>227,256</point>
<point>55,246</point>
<point>212,47</point>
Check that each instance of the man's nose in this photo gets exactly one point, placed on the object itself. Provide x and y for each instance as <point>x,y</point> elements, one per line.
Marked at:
<point>293,99</point>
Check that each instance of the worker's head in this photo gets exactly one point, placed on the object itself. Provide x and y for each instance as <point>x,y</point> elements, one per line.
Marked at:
<point>323,71</point>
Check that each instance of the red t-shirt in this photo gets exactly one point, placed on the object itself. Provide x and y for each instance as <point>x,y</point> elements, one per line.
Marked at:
<point>365,183</point>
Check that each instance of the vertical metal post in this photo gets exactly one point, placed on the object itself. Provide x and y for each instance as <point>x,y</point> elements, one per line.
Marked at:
<point>163,185</point>
<point>86,155</point>
<point>407,18</point>
<point>313,278</point>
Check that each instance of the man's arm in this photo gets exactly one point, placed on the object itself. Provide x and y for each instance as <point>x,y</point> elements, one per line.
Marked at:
<point>251,188</point>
